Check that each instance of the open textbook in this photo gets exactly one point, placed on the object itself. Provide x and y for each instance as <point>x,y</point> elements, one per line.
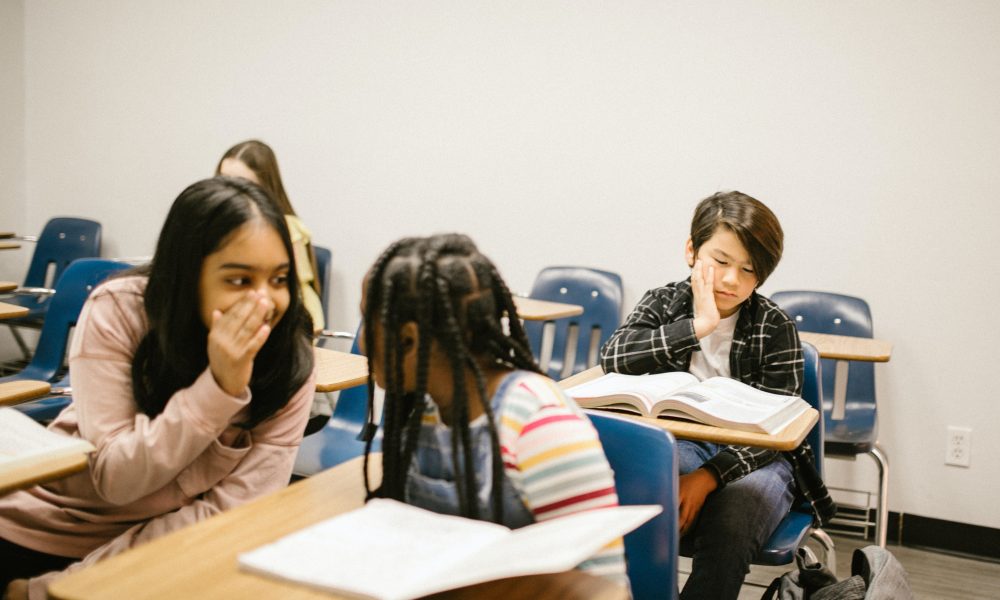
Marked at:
<point>23,441</point>
<point>718,401</point>
<point>388,550</point>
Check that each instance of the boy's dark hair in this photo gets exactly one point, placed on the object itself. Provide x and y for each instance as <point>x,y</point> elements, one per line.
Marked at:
<point>457,298</point>
<point>174,351</point>
<point>753,223</point>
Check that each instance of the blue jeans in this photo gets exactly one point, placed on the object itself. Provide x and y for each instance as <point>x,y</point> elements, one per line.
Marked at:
<point>733,524</point>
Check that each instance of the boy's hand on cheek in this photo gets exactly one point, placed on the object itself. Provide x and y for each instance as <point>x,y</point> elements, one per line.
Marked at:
<point>706,312</point>
<point>234,340</point>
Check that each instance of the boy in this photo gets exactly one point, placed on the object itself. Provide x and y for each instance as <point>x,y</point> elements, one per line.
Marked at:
<point>715,324</point>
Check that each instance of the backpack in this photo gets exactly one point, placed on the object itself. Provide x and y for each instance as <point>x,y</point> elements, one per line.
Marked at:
<point>875,575</point>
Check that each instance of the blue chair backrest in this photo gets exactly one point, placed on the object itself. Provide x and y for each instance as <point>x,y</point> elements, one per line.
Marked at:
<point>598,292</point>
<point>323,256</point>
<point>63,240</point>
<point>812,392</point>
<point>825,312</point>
<point>645,464</point>
<point>72,290</point>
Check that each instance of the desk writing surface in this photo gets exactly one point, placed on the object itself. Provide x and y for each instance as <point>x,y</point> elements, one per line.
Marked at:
<point>200,561</point>
<point>787,439</point>
<point>531,309</point>
<point>12,311</point>
<point>9,246</point>
<point>41,470</point>
<point>8,286</point>
<point>18,391</point>
<point>844,347</point>
<point>339,370</point>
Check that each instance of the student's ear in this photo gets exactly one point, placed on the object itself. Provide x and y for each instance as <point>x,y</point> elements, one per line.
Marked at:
<point>409,339</point>
<point>689,253</point>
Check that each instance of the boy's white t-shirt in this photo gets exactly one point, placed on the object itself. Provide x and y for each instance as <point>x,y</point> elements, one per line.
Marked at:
<point>713,358</point>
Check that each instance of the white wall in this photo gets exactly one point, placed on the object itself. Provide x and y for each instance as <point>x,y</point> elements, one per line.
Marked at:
<point>578,132</point>
<point>12,204</point>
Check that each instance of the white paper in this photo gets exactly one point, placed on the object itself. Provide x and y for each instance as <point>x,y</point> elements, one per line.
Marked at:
<point>391,551</point>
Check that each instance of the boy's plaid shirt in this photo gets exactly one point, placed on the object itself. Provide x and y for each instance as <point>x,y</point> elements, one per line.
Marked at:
<point>659,337</point>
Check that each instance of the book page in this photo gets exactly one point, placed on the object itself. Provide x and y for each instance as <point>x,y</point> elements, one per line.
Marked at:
<point>736,403</point>
<point>379,551</point>
<point>21,438</point>
<point>649,388</point>
<point>392,551</point>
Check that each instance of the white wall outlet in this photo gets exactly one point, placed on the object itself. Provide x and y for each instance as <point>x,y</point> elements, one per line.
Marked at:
<point>959,446</point>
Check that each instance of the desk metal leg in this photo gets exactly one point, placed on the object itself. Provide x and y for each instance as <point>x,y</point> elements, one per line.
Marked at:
<point>882,518</point>
<point>839,390</point>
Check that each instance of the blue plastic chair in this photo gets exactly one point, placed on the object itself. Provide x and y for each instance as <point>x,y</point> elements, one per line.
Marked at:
<point>71,291</point>
<point>857,432</point>
<point>645,464</point>
<point>791,533</point>
<point>599,293</point>
<point>63,240</point>
<point>323,257</point>
<point>338,441</point>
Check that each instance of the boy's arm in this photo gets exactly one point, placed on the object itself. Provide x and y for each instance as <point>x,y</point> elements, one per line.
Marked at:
<point>647,342</point>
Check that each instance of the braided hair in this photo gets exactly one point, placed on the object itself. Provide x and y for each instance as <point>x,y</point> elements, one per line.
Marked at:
<point>457,299</point>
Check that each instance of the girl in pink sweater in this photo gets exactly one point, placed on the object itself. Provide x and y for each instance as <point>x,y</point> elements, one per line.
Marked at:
<point>193,378</point>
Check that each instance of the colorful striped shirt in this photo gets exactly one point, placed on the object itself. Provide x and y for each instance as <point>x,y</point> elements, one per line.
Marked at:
<point>553,461</point>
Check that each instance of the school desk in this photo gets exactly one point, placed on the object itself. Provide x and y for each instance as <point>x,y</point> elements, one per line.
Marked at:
<point>15,392</point>
<point>7,286</point>
<point>844,348</point>
<point>339,370</point>
<point>11,311</point>
<point>9,246</point>
<point>6,235</point>
<point>41,470</point>
<point>200,561</point>
<point>531,309</point>
<point>787,439</point>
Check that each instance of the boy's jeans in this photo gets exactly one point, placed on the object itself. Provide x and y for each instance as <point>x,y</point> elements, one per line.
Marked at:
<point>733,524</point>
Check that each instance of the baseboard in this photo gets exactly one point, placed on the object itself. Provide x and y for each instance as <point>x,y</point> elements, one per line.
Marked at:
<point>963,539</point>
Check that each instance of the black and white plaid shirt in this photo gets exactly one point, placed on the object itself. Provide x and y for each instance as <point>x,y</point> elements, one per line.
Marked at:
<point>659,337</point>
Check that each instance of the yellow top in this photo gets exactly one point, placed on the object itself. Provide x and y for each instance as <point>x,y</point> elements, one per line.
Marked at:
<point>300,240</point>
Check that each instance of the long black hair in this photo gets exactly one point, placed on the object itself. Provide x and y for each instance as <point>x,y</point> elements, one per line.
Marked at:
<point>174,351</point>
<point>457,298</point>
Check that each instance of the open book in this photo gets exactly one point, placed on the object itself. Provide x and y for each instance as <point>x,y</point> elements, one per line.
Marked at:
<point>718,401</point>
<point>392,551</point>
<point>23,441</point>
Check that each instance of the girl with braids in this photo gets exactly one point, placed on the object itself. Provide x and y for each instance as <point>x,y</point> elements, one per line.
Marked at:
<point>193,378</point>
<point>472,427</point>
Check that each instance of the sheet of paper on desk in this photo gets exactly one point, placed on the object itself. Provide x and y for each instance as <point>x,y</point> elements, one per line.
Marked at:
<point>391,551</point>
<point>22,439</point>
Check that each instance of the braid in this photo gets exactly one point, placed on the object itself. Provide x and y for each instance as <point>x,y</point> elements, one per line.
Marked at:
<point>456,298</point>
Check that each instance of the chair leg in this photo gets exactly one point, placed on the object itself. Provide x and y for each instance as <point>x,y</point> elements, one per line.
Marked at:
<point>882,513</point>
<point>829,554</point>
<point>21,344</point>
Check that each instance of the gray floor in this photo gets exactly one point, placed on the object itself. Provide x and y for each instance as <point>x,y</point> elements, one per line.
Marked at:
<point>932,576</point>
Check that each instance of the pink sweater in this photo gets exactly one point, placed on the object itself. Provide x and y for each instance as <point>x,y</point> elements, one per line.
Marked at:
<point>148,476</point>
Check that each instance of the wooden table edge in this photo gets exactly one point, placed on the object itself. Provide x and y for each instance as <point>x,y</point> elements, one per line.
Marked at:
<point>26,475</point>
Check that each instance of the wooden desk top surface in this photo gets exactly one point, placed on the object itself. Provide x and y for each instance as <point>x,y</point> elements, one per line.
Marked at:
<point>15,392</point>
<point>42,470</point>
<point>9,245</point>
<point>339,370</point>
<point>8,286</point>
<point>200,561</point>
<point>10,311</point>
<point>843,347</point>
<point>531,309</point>
<point>787,439</point>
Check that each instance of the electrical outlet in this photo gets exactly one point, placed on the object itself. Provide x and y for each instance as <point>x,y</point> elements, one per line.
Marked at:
<point>959,447</point>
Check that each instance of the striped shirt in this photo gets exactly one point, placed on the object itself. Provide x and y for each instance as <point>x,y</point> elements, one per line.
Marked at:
<point>659,337</point>
<point>553,459</point>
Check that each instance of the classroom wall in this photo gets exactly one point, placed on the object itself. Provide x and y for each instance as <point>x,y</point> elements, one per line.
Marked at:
<point>12,205</point>
<point>576,132</point>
